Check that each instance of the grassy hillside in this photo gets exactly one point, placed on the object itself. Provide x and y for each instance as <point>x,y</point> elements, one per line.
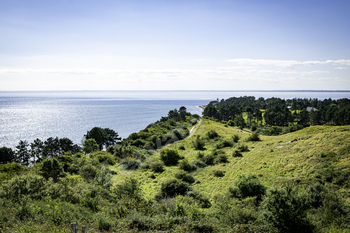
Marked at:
<point>218,179</point>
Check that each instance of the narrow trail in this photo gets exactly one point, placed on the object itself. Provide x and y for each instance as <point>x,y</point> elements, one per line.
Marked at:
<point>194,128</point>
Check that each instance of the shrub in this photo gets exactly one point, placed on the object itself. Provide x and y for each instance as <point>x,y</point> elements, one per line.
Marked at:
<point>247,186</point>
<point>66,160</point>
<point>212,134</point>
<point>130,187</point>
<point>243,148</point>
<point>198,144</point>
<point>235,138</point>
<point>157,166</point>
<point>209,159</point>
<point>254,137</point>
<point>88,172</point>
<point>218,173</point>
<point>171,188</point>
<point>10,167</point>
<point>90,200</point>
<point>222,158</point>
<point>253,128</point>
<point>182,148</point>
<point>223,144</point>
<point>231,123</point>
<point>169,157</point>
<point>186,166</point>
<point>129,164</point>
<point>52,168</point>
<point>199,163</point>
<point>29,185</point>
<point>184,176</point>
<point>103,156</point>
<point>237,153</point>
<point>286,210</point>
<point>103,177</point>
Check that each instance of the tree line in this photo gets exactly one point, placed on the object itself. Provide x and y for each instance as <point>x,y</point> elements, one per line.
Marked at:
<point>37,151</point>
<point>280,112</point>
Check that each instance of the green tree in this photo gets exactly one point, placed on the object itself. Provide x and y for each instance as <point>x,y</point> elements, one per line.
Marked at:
<point>99,135</point>
<point>52,168</point>
<point>51,147</point>
<point>23,153</point>
<point>36,150</point>
<point>66,144</point>
<point>239,121</point>
<point>112,137</point>
<point>90,145</point>
<point>7,155</point>
<point>169,157</point>
<point>314,117</point>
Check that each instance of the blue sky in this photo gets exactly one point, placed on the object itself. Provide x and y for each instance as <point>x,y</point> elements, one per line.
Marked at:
<point>174,45</point>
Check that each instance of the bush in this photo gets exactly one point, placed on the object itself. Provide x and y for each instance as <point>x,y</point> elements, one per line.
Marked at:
<point>103,156</point>
<point>208,159</point>
<point>237,153</point>
<point>231,123</point>
<point>90,200</point>
<point>235,138</point>
<point>243,148</point>
<point>130,187</point>
<point>129,164</point>
<point>88,172</point>
<point>222,158</point>
<point>254,137</point>
<point>52,168</point>
<point>157,166</point>
<point>171,188</point>
<point>286,210</point>
<point>247,186</point>
<point>169,157</point>
<point>212,134</point>
<point>253,128</point>
<point>186,166</point>
<point>198,144</point>
<point>218,173</point>
<point>10,167</point>
<point>28,185</point>
<point>184,176</point>
<point>223,144</point>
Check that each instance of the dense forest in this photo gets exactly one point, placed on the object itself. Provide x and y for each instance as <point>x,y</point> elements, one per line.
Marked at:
<point>219,173</point>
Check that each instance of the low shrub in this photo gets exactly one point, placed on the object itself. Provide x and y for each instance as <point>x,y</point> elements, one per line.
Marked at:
<point>254,137</point>
<point>223,144</point>
<point>198,143</point>
<point>212,134</point>
<point>243,148</point>
<point>235,138</point>
<point>171,188</point>
<point>222,158</point>
<point>237,153</point>
<point>184,176</point>
<point>218,173</point>
<point>103,156</point>
<point>157,166</point>
<point>129,164</point>
<point>247,186</point>
<point>169,157</point>
<point>88,172</point>
<point>186,166</point>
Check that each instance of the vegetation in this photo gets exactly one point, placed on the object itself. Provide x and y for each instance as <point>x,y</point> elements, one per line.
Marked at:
<point>220,179</point>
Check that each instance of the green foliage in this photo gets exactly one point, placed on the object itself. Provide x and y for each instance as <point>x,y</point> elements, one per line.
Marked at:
<point>237,153</point>
<point>186,166</point>
<point>24,185</point>
<point>11,168</point>
<point>157,166</point>
<point>211,134</point>
<point>88,172</point>
<point>218,173</point>
<point>90,145</point>
<point>129,164</point>
<point>286,210</point>
<point>247,186</point>
<point>243,148</point>
<point>272,131</point>
<point>173,187</point>
<point>224,143</point>
<point>235,138</point>
<point>51,168</point>
<point>103,177</point>
<point>130,188</point>
<point>7,155</point>
<point>169,157</point>
<point>90,199</point>
<point>222,158</point>
<point>184,176</point>
<point>254,137</point>
<point>198,143</point>
<point>103,156</point>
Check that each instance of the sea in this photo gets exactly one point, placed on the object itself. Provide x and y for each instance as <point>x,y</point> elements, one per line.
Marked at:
<point>27,115</point>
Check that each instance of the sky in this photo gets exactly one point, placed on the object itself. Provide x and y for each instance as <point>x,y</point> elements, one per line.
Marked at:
<point>174,45</point>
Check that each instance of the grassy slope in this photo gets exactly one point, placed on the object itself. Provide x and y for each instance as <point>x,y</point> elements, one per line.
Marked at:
<point>273,159</point>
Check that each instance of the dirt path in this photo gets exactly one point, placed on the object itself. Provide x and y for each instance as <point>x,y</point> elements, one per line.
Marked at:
<point>194,128</point>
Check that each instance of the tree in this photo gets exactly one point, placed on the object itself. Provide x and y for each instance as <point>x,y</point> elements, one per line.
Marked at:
<point>7,155</point>
<point>51,147</point>
<point>52,168</point>
<point>113,137</point>
<point>36,150</point>
<point>90,145</point>
<point>99,134</point>
<point>239,121</point>
<point>66,144</point>
<point>23,153</point>
<point>314,117</point>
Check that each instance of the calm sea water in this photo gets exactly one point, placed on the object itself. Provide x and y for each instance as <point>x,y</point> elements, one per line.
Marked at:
<point>31,115</point>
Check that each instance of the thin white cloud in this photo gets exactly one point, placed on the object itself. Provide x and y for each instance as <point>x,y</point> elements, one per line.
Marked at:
<point>287,63</point>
